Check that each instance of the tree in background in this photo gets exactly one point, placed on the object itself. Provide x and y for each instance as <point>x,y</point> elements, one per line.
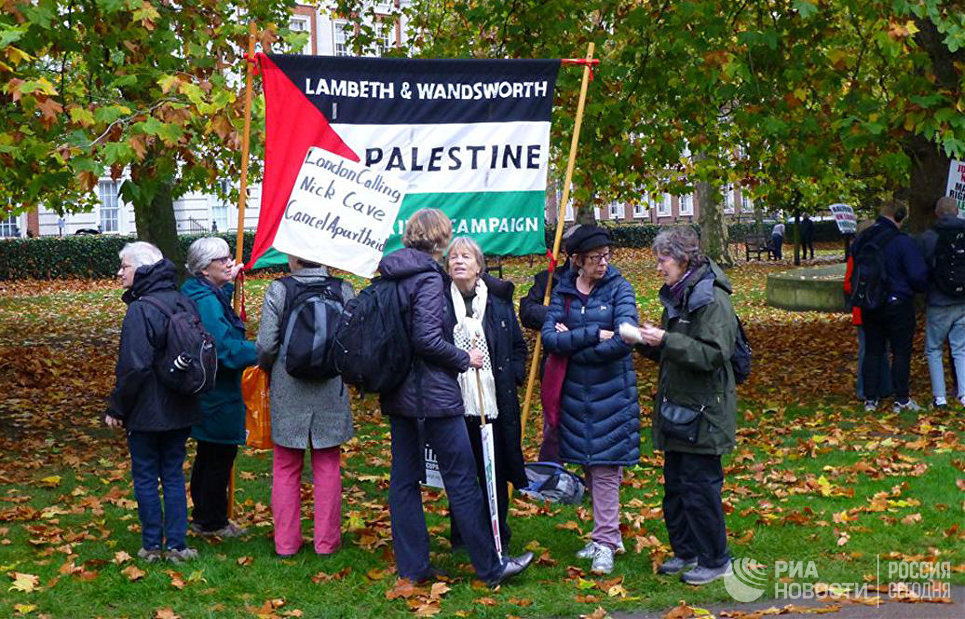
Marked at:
<point>108,86</point>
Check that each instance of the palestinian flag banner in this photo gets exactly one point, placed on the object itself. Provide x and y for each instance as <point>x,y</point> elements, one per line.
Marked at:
<point>471,137</point>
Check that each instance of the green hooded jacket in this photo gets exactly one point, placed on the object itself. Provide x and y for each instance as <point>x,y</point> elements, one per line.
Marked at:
<point>695,369</point>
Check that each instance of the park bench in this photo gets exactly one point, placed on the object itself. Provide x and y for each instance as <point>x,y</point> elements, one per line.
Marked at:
<point>757,244</point>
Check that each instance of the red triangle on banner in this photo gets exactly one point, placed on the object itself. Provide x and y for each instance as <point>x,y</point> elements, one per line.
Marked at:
<point>292,125</point>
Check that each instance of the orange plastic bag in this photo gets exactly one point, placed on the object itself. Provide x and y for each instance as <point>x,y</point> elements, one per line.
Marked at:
<point>254,390</point>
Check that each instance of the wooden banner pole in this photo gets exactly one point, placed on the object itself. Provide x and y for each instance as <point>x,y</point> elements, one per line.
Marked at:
<point>245,147</point>
<point>534,365</point>
<point>242,200</point>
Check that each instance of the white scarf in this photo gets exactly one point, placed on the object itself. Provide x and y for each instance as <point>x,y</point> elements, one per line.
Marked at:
<point>469,334</point>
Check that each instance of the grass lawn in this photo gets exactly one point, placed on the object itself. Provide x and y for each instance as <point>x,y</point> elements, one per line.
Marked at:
<point>814,480</point>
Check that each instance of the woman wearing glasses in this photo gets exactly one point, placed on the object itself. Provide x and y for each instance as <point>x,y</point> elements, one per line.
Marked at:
<point>222,427</point>
<point>600,416</point>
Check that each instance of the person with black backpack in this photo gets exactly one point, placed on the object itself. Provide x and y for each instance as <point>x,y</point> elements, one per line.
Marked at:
<point>222,428</point>
<point>888,271</point>
<point>156,417</point>
<point>430,393</point>
<point>943,247</point>
<point>309,403</point>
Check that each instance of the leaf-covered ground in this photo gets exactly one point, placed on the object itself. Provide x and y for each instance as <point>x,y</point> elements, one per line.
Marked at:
<point>814,478</point>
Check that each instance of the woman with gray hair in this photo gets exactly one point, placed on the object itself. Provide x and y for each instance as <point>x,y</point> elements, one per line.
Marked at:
<point>485,319</point>
<point>156,419</point>
<point>695,410</point>
<point>222,427</point>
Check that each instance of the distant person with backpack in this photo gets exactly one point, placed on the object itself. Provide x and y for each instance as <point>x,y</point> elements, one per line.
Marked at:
<point>777,239</point>
<point>888,270</point>
<point>222,427</point>
<point>430,393</point>
<point>306,413</point>
<point>943,247</point>
<point>695,410</point>
<point>157,419</point>
<point>599,408</point>
<point>486,319</point>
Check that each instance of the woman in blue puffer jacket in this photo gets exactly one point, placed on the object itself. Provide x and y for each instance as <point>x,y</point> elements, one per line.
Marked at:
<point>600,414</point>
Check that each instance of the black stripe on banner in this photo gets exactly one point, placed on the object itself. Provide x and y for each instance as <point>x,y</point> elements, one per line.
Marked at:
<point>391,91</point>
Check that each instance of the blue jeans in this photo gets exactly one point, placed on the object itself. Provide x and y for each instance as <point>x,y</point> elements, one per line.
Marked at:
<point>885,387</point>
<point>943,323</point>
<point>410,539</point>
<point>159,456</point>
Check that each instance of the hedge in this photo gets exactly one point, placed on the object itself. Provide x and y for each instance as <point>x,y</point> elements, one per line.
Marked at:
<point>95,256</point>
<point>89,257</point>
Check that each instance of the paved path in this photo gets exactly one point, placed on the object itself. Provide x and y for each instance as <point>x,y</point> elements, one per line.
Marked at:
<point>849,610</point>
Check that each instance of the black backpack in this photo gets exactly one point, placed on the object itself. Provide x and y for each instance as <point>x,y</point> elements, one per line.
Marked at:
<point>869,277</point>
<point>740,360</point>
<point>311,315</point>
<point>188,363</point>
<point>948,263</point>
<point>373,350</point>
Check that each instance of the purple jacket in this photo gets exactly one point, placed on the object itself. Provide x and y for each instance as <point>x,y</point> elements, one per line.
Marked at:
<point>430,389</point>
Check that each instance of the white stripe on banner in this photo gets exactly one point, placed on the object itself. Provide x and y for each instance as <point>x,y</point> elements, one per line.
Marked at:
<point>456,158</point>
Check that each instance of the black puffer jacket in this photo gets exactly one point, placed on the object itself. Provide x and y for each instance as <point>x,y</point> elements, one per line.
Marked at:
<point>139,399</point>
<point>507,353</point>
<point>431,388</point>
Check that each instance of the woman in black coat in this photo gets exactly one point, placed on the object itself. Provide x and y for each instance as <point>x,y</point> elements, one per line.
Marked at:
<point>483,307</point>
<point>430,394</point>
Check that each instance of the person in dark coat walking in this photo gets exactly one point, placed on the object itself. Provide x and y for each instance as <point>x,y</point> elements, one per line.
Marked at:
<point>157,420</point>
<point>485,319</point>
<point>600,414</point>
<point>693,345</point>
<point>222,427</point>
<point>807,237</point>
<point>430,393</point>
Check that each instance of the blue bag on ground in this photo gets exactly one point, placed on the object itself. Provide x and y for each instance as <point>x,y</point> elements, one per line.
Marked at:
<point>549,481</point>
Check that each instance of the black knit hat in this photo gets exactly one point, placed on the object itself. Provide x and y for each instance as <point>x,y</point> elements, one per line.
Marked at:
<point>587,238</point>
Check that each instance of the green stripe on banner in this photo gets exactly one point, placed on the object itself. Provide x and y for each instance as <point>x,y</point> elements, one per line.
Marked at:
<point>505,223</point>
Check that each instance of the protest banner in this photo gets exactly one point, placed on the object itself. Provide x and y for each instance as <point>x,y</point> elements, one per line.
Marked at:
<point>340,213</point>
<point>470,137</point>
<point>844,217</point>
<point>489,469</point>
<point>956,184</point>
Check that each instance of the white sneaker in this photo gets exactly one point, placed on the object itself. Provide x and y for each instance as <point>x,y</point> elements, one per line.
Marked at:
<point>910,406</point>
<point>602,560</point>
<point>588,551</point>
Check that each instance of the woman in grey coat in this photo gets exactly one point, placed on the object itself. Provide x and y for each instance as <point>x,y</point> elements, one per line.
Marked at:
<point>305,414</point>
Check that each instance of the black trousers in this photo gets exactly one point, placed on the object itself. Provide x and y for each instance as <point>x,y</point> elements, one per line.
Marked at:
<point>210,476</point>
<point>502,485</point>
<point>692,508</point>
<point>894,324</point>
<point>807,244</point>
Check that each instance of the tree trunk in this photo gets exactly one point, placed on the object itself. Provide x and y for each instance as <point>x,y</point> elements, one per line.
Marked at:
<point>929,178</point>
<point>797,238</point>
<point>154,213</point>
<point>713,228</point>
<point>758,218</point>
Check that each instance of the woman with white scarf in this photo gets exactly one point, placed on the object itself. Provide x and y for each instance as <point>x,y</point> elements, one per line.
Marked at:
<point>486,320</point>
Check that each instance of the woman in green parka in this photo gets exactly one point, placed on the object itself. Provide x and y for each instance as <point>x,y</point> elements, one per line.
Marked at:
<point>695,411</point>
<point>222,427</point>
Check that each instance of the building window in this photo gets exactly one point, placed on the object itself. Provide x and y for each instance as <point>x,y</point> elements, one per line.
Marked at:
<point>220,206</point>
<point>109,207</point>
<point>9,227</point>
<point>747,204</point>
<point>383,38</point>
<point>640,210</point>
<point>685,205</point>
<point>616,210</point>
<point>301,24</point>
<point>341,38</point>
<point>663,206</point>
<point>729,199</point>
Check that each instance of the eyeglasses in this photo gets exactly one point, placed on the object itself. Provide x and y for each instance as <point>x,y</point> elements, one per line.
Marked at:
<point>598,258</point>
<point>223,259</point>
